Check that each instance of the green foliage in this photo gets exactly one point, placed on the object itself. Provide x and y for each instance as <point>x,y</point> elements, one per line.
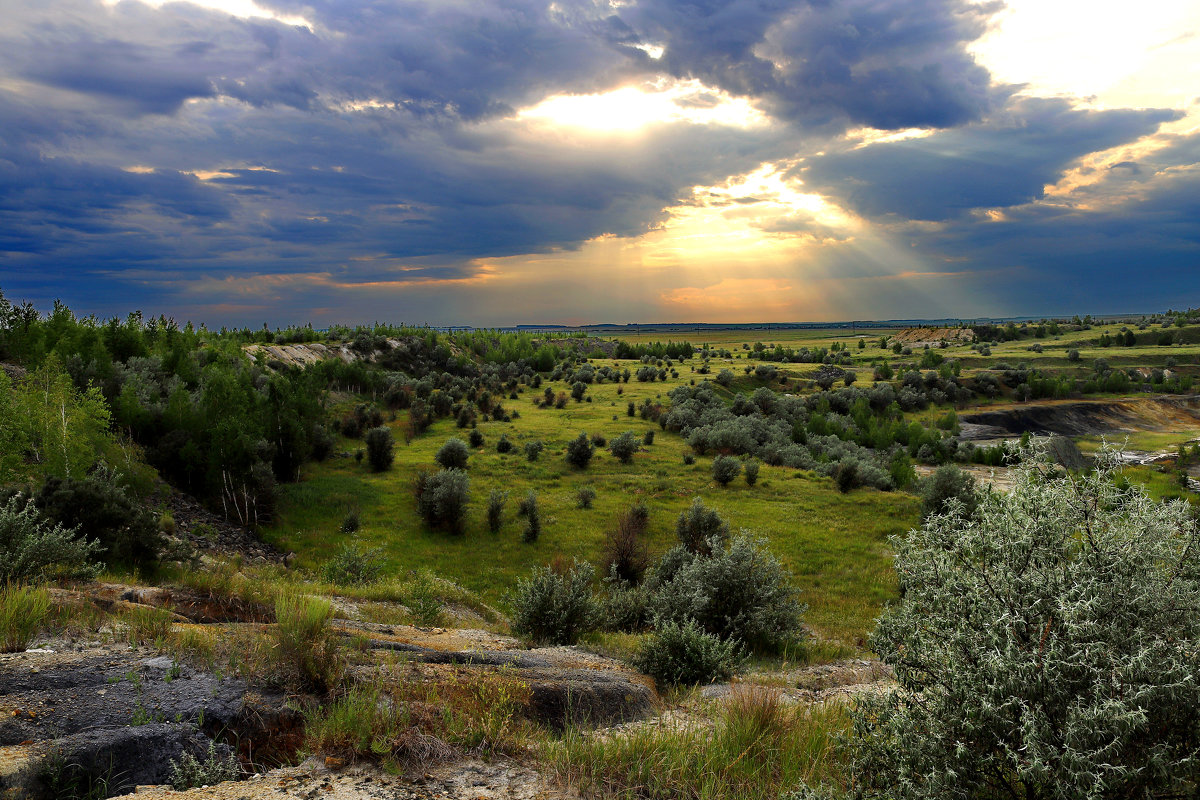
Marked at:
<point>751,468</point>
<point>533,518</point>
<point>534,449</point>
<point>948,486</point>
<point>219,765</point>
<point>503,445</point>
<point>34,548</point>
<point>147,624</point>
<point>100,511</point>
<point>353,565</point>
<point>453,454</point>
<point>623,447</point>
<point>579,451</point>
<point>442,498</point>
<point>685,653</point>
<point>553,608</point>
<point>725,469</point>
<point>698,525</point>
<point>304,643</point>
<point>22,612</point>
<point>626,606</point>
<point>1044,646</point>
<point>585,496</point>
<point>380,448</point>
<point>495,509</point>
<point>740,592</point>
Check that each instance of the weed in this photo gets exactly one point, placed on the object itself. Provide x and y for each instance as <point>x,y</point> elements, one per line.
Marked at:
<point>23,610</point>
<point>145,624</point>
<point>303,640</point>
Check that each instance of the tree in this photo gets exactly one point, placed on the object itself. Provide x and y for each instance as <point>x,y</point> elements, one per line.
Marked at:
<point>623,447</point>
<point>579,451</point>
<point>380,452</point>
<point>442,498</point>
<point>1045,646</point>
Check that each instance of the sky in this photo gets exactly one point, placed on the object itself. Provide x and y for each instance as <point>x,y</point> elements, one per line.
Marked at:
<point>500,162</point>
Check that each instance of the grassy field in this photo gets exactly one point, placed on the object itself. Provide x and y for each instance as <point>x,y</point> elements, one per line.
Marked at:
<point>834,543</point>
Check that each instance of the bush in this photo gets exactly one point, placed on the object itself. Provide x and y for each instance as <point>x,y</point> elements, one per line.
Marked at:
<point>698,525</point>
<point>353,565</point>
<point>304,642</point>
<point>475,438</point>
<point>741,592</point>
<point>579,451</point>
<point>684,653</point>
<point>948,483</point>
<point>725,469</point>
<point>34,548</point>
<point>351,522</point>
<point>626,606</point>
<point>1044,647</point>
<point>625,554</point>
<point>442,498</point>
<point>100,511</point>
<point>648,438</point>
<point>533,518</point>
<point>495,509</point>
<point>688,459</point>
<point>751,467</point>
<point>380,448</point>
<point>585,496</point>
<point>503,445</point>
<point>453,454</point>
<point>22,612</point>
<point>623,447</point>
<point>533,450</point>
<point>219,765</point>
<point>552,608</point>
<point>847,475</point>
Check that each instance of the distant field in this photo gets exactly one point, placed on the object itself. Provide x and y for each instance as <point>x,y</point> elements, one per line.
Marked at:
<point>835,544</point>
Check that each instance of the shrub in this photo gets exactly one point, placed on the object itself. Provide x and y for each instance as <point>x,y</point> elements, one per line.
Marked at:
<point>741,592</point>
<point>1044,647</point>
<point>534,449</point>
<point>585,496</point>
<point>623,447</point>
<point>495,509</point>
<point>218,766</point>
<point>554,608</point>
<point>303,641</point>
<point>698,525</point>
<point>33,548</point>
<point>475,438</point>
<point>453,454</point>
<point>725,377</point>
<point>599,440</point>
<point>503,445</point>
<point>22,612</point>
<point>648,438</point>
<point>579,451</point>
<point>631,409</point>
<point>353,565</point>
<point>351,522</point>
<point>685,653</point>
<point>948,483</point>
<point>626,606</point>
<point>101,511</point>
<point>380,448</point>
<point>847,475</point>
<point>688,459</point>
<point>725,469</point>
<point>442,498</point>
<point>533,518</point>
<point>751,467</point>
<point>625,554</point>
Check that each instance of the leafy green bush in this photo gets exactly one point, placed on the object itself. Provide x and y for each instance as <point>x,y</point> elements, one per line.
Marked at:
<point>442,498</point>
<point>623,447</point>
<point>947,486</point>
<point>740,592</point>
<point>648,438</point>
<point>380,448</point>
<point>453,454</point>
<point>626,605</point>
<point>533,518</point>
<point>579,451</point>
<point>475,438</point>
<point>1045,646</point>
<point>751,467</point>
<point>534,449</point>
<point>847,475</point>
<point>698,525</point>
<point>22,612</point>
<point>353,565</point>
<point>495,509</point>
<point>725,469</point>
<point>33,548</point>
<point>685,653</point>
<point>503,444</point>
<point>585,496</point>
<point>101,511</point>
<point>555,608</point>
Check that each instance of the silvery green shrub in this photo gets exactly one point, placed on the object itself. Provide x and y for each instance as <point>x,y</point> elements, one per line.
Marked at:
<point>684,653</point>
<point>554,608</point>
<point>1046,646</point>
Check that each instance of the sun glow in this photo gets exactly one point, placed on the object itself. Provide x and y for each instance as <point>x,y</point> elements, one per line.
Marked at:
<point>245,9</point>
<point>630,108</point>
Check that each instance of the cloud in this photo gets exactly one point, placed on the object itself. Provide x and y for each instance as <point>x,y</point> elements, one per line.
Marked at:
<point>1004,160</point>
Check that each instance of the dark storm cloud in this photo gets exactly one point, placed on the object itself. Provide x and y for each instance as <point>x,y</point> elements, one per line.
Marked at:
<point>1006,160</point>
